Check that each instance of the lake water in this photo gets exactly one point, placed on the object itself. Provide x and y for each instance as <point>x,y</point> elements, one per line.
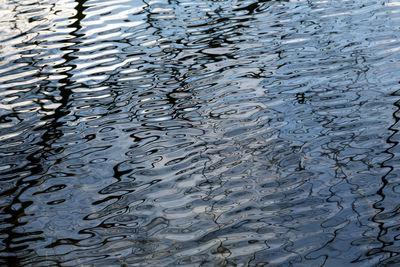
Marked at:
<point>199,133</point>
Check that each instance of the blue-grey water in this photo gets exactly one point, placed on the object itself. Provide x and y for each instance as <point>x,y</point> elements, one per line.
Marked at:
<point>199,133</point>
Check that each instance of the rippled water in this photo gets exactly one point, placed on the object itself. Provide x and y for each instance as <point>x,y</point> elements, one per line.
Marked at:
<point>199,133</point>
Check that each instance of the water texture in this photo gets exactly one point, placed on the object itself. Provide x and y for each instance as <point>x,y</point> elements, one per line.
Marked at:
<point>199,133</point>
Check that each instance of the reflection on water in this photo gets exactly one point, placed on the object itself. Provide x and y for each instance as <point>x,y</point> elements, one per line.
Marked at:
<point>210,133</point>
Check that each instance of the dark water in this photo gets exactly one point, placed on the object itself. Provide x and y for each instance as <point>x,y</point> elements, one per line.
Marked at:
<point>199,133</point>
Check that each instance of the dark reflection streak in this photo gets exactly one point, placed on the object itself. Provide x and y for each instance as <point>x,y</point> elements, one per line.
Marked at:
<point>15,213</point>
<point>35,165</point>
<point>385,182</point>
<point>61,111</point>
<point>174,68</point>
<point>252,8</point>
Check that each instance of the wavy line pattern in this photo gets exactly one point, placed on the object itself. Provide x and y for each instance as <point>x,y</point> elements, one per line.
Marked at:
<point>199,133</point>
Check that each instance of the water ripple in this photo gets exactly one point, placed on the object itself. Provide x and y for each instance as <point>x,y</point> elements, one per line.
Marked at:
<point>213,133</point>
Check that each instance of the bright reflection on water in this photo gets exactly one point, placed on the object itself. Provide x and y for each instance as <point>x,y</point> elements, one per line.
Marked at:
<point>199,133</point>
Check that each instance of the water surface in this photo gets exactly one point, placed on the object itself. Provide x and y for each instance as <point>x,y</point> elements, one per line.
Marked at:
<point>199,133</point>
